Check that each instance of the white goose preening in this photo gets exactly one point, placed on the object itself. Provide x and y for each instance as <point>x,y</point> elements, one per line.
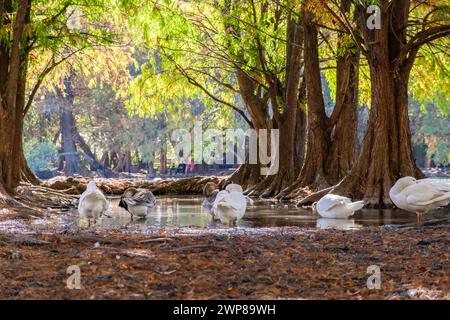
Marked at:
<point>230,204</point>
<point>420,196</point>
<point>92,203</point>
<point>210,193</point>
<point>336,207</point>
<point>137,201</point>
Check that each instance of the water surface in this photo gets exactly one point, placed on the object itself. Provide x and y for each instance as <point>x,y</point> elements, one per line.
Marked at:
<point>186,211</point>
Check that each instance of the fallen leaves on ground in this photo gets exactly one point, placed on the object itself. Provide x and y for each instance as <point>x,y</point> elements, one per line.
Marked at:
<point>324,264</point>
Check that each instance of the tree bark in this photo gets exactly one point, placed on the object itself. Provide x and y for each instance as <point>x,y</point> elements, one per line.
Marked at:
<point>386,153</point>
<point>162,160</point>
<point>331,142</point>
<point>343,121</point>
<point>313,170</point>
<point>286,104</point>
<point>13,63</point>
<point>72,163</point>
<point>249,175</point>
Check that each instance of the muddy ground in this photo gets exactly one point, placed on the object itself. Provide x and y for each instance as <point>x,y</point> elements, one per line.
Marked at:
<point>271,263</point>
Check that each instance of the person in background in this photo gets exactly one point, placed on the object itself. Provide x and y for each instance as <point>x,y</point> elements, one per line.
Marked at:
<point>191,166</point>
<point>181,168</point>
<point>173,169</point>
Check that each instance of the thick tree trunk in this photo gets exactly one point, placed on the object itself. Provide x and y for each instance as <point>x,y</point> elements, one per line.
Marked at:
<point>331,146</point>
<point>249,175</point>
<point>313,170</point>
<point>386,153</point>
<point>286,105</point>
<point>13,67</point>
<point>342,152</point>
<point>27,174</point>
<point>300,138</point>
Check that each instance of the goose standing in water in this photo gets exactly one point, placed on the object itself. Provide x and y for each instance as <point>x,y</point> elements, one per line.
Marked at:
<point>138,202</point>
<point>210,193</point>
<point>230,204</point>
<point>420,196</point>
<point>92,203</point>
<point>336,207</point>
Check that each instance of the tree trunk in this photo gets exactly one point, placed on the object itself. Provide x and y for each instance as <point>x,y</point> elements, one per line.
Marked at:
<point>286,105</point>
<point>11,114</point>
<point>249,175</point>
<point>72,163</point>
<point>344,120</point>
<point>27,174</point>
<point>386,153</point>
<point>162,160</point>
<point>331,145</point>
<point>300,137</point>
<point>313,170</point>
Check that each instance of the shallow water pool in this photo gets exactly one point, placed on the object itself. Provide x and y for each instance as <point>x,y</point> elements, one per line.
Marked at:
<point>186,211</point>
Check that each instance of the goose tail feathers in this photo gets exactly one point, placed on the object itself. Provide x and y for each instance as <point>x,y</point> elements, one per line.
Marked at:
<point>354,206</point>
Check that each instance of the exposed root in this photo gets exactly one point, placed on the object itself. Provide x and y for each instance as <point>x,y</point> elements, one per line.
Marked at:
<point>313,197</point>
<point>260,188</point>
<point>299,190</point>
<point>275,187</point>
<point>44,197</point>
<point>246,175</point>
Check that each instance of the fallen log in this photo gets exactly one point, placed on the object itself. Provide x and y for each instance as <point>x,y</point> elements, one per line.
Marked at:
<point>186,186</point>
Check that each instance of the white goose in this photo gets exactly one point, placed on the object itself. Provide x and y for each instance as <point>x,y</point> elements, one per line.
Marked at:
<point>230,204</point>
<point>92,203</point>
<point>336,207</point>
<point>420,196</point>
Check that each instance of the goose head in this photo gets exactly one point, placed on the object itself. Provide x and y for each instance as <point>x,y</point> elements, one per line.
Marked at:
<point>314,207</point>
<point>129,193</point>
<point>234,188</point>
<point>401,184</point>
<point>208,189</point>
<point>91,186</point>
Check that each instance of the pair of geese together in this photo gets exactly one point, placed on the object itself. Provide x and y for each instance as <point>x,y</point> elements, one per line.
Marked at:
<point>409,194</point>
<point>93,204</point>
<point>229,205</point>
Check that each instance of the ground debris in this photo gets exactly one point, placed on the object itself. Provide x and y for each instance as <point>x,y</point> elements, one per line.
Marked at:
<point>298,264</point>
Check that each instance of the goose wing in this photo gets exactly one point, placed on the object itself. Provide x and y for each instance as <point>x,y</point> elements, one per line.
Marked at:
<point>141,197</point>
<point>233,200</point>
<point>424,193</point>
<point>237,201</point>
<point>441,184</point>
<point>331,201</point>
<point>221,198</point>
